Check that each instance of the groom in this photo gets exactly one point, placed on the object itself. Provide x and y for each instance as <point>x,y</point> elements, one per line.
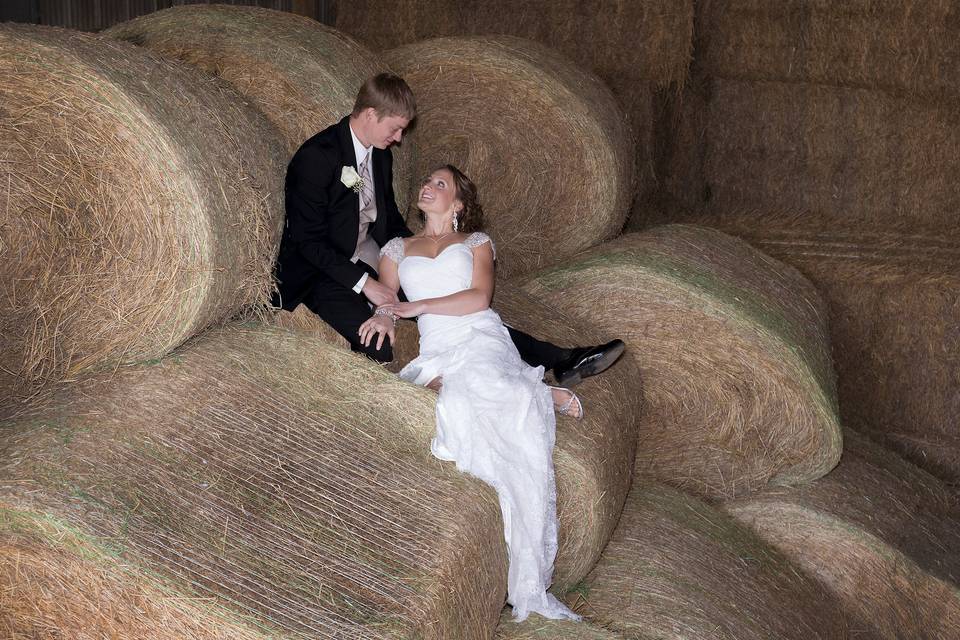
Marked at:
<point>336,225</point>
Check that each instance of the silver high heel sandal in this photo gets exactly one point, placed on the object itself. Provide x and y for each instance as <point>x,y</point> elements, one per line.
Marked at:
<point>565,409</point>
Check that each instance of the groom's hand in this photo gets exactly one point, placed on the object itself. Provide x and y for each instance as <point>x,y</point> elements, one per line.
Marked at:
<point>377,293</point>
<point>380,327</point>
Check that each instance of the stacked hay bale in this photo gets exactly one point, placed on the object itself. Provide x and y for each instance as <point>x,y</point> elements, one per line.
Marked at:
<point>133,476</point>
<point>846,157</point>
<point>880,534</point>
<point>302,320</point>
<point>55,582</point>
<point>593,457</point>
<point>827,134</point>
<point>733,353</point>
<point>279,477</point>
<point>543,140</point>
<point>123,234</point>
<point>641,50</point>
<point>621,41</point>
<point>869,92</point>
<point>825,109</point>
<point>288,483</point>
<point>302,75</point>
<point>901,46</point>
<point>894,306</point>
<point>677,568</point>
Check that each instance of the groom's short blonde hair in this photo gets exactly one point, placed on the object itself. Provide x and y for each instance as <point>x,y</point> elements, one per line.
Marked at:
<point>388,94</point>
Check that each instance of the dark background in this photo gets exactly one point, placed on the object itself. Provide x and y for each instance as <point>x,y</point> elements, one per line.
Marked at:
<point>94,15</point>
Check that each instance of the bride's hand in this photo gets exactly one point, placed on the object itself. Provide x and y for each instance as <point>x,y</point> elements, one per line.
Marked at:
<point>405,309</point>
<point>381,326</point>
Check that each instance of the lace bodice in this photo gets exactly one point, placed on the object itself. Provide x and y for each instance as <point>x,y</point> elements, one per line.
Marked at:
<point>394,249</point>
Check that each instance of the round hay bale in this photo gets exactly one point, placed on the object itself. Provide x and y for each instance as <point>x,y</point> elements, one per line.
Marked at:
<point>545,142</point>
<point>938,454</point>
<point>540,628</point>
<point>302,320</point>
<point>302,75</point>
<point>875,491</point>
<point>56,583</point>
<point>639,49</point>
<point>835,156</point>
<point>593,458</point>
<point>907,46</point>
<point>142,201</point>
<point>894,301</point>
<point>733,353</point>
<point>282,478</point>
<point>879,533</point>
<point>679,569</point>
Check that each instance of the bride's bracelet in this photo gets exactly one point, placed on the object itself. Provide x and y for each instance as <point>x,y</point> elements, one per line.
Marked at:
<point>384,312</point>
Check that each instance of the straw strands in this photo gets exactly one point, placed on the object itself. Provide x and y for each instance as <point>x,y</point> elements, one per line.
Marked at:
<point>55,583</point>
<point>637,48</point>
<point>593,457</point>
<point>545,142</point>
<point>122,233</point>
<point>302,320</point>
<point>539,628</point>
<point>876,492</point>
<point>848,157</point>
<point>894,301</point>
<point>907,46</point>
<point>283,478</point>
<point>879,533</point>
<point>302,75</point>
<point>679,569</point>
<point>938,453</point>
<point>623,42</point>
<point>733,352</point>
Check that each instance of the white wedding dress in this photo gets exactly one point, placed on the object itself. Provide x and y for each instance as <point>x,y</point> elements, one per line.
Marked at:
<point>494,417</point>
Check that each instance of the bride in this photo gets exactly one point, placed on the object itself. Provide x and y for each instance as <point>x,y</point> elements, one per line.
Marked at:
<point>495,416</point>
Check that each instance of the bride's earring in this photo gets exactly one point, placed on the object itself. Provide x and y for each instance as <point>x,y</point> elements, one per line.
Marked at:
<point>456,222</point>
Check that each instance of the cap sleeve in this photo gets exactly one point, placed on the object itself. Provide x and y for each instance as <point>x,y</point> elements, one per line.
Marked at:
<point>393,250</point>
<point>477,238</point>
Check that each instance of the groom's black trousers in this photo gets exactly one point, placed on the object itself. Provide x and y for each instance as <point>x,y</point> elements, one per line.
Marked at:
<point>345,311</point>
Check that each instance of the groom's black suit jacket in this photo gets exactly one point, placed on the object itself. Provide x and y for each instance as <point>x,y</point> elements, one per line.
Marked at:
<point>323,215</point>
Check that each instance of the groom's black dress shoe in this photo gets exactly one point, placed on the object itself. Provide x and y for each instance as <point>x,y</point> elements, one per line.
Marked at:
<point>587,361</point>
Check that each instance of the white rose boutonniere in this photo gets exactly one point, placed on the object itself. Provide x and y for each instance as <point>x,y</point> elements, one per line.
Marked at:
<point>351,179</point>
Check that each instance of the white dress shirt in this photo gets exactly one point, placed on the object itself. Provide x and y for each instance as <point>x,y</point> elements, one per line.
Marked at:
<point>360,153</point>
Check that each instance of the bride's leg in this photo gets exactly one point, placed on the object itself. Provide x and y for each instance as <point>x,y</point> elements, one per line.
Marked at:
<point>566,402</point>
<point>436,383</point>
